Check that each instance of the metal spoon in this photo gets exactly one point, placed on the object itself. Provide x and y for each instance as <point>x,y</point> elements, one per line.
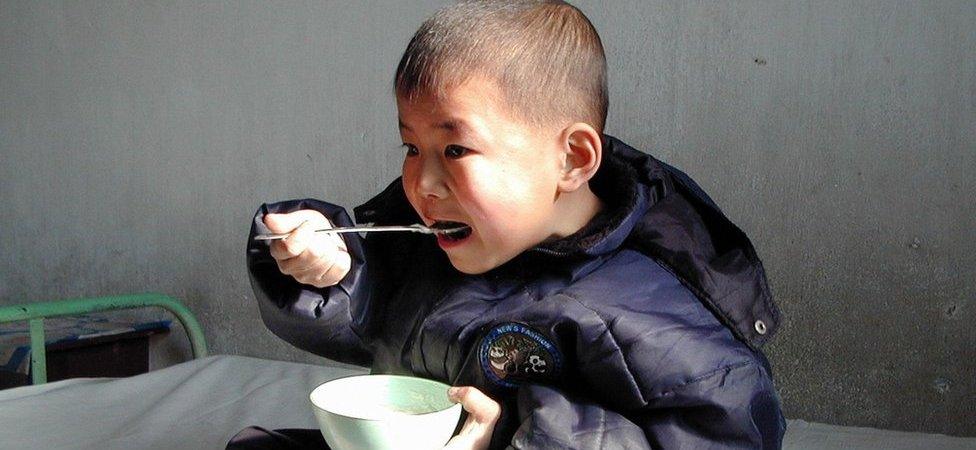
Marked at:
<point>415,228</point>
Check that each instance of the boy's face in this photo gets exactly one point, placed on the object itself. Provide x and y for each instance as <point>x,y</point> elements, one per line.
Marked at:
<point>469,160</point>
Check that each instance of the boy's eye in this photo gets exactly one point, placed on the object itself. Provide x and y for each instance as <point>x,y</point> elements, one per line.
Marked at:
<point>411,149</point>
<point>455,151</point>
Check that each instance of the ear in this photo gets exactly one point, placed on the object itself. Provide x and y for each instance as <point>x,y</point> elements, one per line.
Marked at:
<point>583,150</point>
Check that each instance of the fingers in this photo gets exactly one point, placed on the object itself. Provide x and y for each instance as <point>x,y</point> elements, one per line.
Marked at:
<point>312,258</point>
<point>300,224</point>
<point>483,413</point>
<point>295,244</point>
<point>323,272</point>
<point>284,223</point>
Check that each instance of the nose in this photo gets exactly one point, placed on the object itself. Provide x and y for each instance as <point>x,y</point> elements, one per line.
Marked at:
<point>431,180</point>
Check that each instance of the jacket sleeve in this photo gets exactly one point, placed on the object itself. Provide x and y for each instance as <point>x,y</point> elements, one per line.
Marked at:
<point>734,407</point>
<point>321,321</point>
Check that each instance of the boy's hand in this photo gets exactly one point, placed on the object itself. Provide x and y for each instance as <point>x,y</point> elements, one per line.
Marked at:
<point>483,412</point>
<point>317,259</point>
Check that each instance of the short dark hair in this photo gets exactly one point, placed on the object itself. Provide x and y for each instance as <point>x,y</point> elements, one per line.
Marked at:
<point>545,55</point>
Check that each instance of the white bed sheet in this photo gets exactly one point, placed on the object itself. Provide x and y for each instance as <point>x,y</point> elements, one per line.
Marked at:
<point>200,404</point>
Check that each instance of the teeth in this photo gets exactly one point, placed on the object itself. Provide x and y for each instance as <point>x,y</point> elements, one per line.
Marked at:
<point>458,235</point>
<point>464,232</point>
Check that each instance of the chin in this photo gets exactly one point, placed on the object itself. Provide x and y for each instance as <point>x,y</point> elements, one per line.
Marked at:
<point>473,267</point>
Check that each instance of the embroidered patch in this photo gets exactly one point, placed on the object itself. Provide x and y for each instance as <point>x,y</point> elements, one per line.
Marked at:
<point>512,353</point>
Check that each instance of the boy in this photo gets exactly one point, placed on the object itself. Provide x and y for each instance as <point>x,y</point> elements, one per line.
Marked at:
<point>594,298</point>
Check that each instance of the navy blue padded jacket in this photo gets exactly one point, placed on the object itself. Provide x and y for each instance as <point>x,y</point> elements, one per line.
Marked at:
<point>642,330</point>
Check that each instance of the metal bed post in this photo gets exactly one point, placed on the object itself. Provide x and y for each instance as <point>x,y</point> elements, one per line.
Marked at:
<point>35,313</point>
<point>38,351</point>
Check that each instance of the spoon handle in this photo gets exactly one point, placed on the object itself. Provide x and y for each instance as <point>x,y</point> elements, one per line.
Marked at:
<point>416,228</point>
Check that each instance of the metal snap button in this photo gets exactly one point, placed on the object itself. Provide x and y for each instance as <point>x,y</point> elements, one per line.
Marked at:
<point>760,327</point>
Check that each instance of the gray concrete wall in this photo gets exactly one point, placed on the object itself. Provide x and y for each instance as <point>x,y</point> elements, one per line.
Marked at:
<point>136,139</point>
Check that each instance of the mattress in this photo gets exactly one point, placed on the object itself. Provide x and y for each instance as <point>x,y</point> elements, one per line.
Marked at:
<point>200,404</point>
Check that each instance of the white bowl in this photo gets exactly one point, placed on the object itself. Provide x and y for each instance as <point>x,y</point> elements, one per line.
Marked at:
<point>385,412</point>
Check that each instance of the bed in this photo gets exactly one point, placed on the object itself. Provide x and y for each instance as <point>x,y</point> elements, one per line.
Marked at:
<point>201,403</point>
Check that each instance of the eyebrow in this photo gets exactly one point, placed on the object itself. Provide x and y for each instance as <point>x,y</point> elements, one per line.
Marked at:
<point>449,125</point>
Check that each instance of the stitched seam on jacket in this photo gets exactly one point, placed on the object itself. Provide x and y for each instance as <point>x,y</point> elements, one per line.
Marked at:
<point>647,399</point>
<point>694,380</point>
<point>456,341</point>
<point>536,433</point>
<point>550,439</point>
<point>603,427</point>
<point>613,339</point>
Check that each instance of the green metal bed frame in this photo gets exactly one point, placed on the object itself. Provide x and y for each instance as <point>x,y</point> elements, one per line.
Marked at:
<point>35,313</point>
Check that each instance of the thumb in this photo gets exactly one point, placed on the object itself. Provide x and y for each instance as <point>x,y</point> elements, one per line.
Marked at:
<point>479,406</point>
<point>483,412</point>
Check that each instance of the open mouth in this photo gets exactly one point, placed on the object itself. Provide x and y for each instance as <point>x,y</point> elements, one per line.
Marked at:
<point>458,230</point>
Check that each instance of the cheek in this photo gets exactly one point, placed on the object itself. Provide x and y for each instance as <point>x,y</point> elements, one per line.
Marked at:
<point>407,173</point>
<point>409,176</point>
<point>500,198</point>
